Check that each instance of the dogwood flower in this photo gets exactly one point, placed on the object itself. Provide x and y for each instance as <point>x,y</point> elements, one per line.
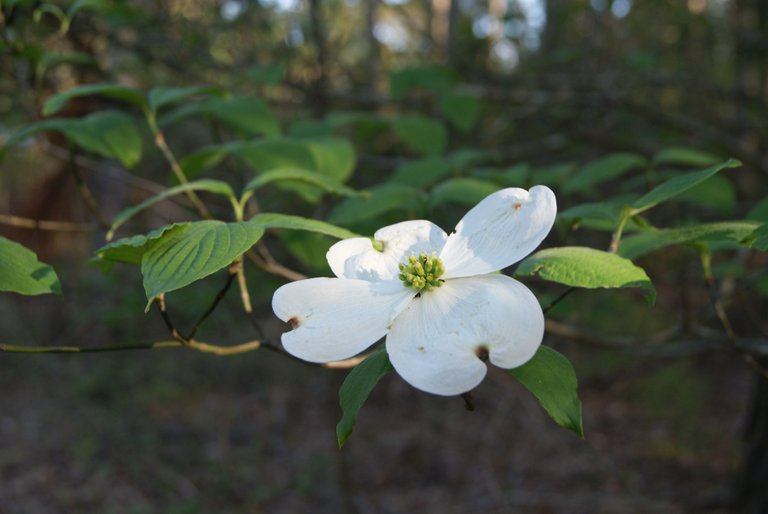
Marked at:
<point>436,297</point>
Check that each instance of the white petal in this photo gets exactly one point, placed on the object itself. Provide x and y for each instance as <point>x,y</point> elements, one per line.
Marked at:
<point>356,258</point>
<point>499,231</point>
<point>335,318</point>
<point>434,343</point>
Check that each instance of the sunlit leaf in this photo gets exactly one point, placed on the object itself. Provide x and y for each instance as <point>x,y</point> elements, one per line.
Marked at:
<point>21,272</point>
<point>584,267</point>
<point>356,389</point>
<point>550,377</point>
<point>189,252</point>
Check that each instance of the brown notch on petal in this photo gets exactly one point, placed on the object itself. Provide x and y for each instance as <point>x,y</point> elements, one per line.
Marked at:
<point>518,206</point>
<point>294,321</point>
<point>482,352</point>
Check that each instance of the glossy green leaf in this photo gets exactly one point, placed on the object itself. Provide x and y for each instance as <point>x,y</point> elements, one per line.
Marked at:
<point>107,133</point>
<point>464,191</point>
<point>21,272</point>
<point>683,156</point>
<point>161,96</point>
<point>602,170</point>
<point>356,389</point>
<point>423,135</point>
<point>678,184</point>
<point>462,110</point>
<point>116,91</point>
<point>550,377</point>
<point>313,178</point>
<point>645,242</point>
<point>189,252</point>
<point>269,220</point>
<point>381,199</point>
<point>211,186</point>
<point>584,267</point>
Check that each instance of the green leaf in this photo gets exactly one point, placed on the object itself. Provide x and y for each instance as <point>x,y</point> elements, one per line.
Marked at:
<point>270,75</point>
<point>609,210</point>
<point>124,93</point>
<point>462,110</point>
<point>107,133</point>
<point>584,267</point>
<point>422,172</point>
<point>683,156</point>
<point>129,250</point>
<point>330,156</point>
<point>717,192</point>
<point>465,191</point>
<point>333,156</point>
<point>161,96</point>
<point>423,135</point>
<point>758,240</point>
<point>189,252</point>
<point>434,78</point>
<point>678,184</point>
<point>381,199</point>
<point>250,116</point>
<point>21,272</point>
<point>645,242</point>
<point>313,178</point>
<point>550,377</point>
<point>602,170</point>
<point>197,162</point>
<point>212,186</point>
<point>287,221</point>
<point>356,389</point>
<point>759,211</point>
<point>50,59</point>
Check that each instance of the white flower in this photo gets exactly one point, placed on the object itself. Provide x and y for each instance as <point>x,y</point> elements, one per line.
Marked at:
<point>440,327</point>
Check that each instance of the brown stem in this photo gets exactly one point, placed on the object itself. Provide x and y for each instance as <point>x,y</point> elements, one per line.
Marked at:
<point>55,226</point>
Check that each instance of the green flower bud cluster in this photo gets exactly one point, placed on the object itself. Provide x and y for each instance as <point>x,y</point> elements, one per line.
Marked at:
<point>422,273</point>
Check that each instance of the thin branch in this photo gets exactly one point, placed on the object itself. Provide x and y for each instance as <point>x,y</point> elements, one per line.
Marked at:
<point>54,226</point>
<point>219,296</point>
<point>558,299</point>
<point>266,262</point>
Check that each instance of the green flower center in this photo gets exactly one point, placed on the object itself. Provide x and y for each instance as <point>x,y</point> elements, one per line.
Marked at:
<point>422,273</point>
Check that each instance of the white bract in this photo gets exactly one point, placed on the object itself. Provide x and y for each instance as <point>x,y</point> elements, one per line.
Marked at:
<point>436,297</point>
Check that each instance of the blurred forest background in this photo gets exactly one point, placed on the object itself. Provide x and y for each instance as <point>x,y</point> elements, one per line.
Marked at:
<point>439,99</point>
